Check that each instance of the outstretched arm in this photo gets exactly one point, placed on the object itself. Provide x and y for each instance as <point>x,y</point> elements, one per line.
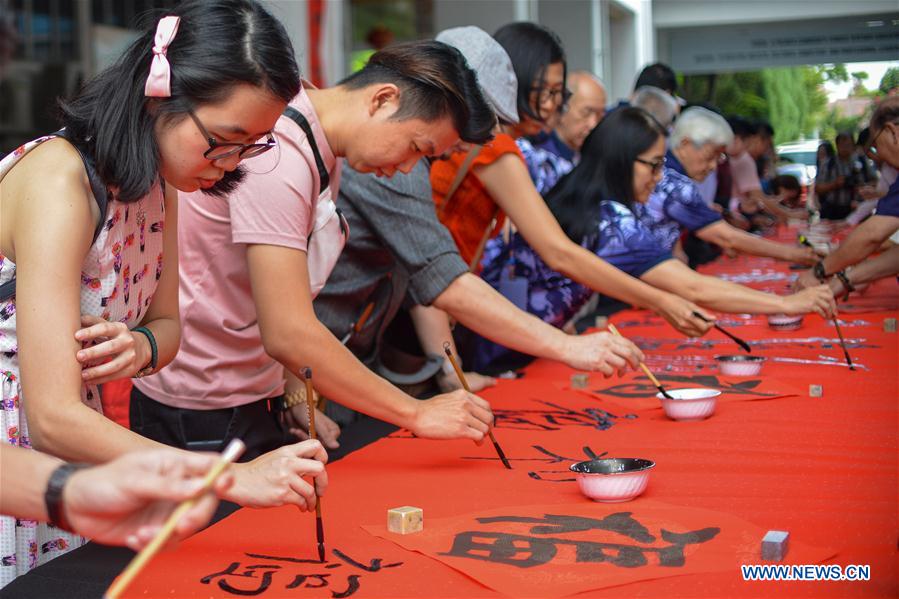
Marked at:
<point>478,306</point>
<point>870,270</point>
<point>861,243</point>
<point>724,296</point>
<point>509,184</point>
<point>124,502</point>
<point>729,237</point>
<point>293,336</point>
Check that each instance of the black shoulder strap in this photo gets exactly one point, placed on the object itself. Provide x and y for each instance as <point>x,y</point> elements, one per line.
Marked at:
<point>297,116</point>
<point>101,196</point>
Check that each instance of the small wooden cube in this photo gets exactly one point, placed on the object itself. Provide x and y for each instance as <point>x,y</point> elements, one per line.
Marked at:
<point>601,322</point>
<point>889,325</point>
<point>405,520</point>
<point>775,545</point>
<point>815,391</point>
<point>579,381</point>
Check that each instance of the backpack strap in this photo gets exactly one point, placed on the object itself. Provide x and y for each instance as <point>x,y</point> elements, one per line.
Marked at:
<point>101,196</point>
<point>460,176</point>
<point>323,176</point>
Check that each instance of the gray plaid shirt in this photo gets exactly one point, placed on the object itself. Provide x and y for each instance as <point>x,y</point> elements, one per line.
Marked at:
<point>397,248</point>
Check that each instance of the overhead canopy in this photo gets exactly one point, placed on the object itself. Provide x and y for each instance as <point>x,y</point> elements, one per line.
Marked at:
<point>753,46</point>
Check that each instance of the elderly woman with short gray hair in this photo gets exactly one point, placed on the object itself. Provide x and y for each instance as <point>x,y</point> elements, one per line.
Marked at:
<point>695,149</point>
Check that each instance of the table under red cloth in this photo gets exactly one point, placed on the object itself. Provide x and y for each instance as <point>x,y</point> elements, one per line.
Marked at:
<point>770,458</point>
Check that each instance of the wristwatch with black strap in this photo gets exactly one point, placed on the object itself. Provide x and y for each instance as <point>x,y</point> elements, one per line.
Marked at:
<point>53,494</point>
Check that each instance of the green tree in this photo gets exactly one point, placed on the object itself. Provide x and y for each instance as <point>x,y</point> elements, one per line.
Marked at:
<point>834,122</point>
<point>835,73</point>
<point>858,83</point>
<point>889,80</point>
<point>813,82</point>
<point>792,99</point>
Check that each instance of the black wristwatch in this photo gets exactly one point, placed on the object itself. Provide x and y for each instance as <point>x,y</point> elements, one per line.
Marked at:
<point>819,272</point>
<point>53,494</point>
<point>843,276</point>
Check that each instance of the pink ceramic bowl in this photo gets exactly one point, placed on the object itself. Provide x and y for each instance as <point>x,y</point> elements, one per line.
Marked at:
<point>612,480</point>
<point>739,365</point>
<point>783,322</point>
<point>689,404</point>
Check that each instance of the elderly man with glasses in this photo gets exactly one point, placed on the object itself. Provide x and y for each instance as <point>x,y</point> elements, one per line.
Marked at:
<point>869,236</point>
<point>550,156</point>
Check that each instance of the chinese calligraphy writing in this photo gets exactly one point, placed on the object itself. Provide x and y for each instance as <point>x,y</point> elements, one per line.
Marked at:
<point>255,579</point>
<point>523,551</point>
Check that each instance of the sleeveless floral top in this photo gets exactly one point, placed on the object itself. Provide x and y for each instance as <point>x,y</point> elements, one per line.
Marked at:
<point>118,278</point>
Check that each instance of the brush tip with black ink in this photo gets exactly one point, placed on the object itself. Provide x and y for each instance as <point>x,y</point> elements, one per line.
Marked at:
<point>499,451</point>
<point>664,393</point>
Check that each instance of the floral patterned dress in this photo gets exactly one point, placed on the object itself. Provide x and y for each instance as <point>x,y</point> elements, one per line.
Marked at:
<point>118,278</point>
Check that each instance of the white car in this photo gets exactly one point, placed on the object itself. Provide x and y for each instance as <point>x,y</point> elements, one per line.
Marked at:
<point>799,158</point>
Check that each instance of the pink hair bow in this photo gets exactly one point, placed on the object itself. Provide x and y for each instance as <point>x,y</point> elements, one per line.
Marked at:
<point>158,81</point>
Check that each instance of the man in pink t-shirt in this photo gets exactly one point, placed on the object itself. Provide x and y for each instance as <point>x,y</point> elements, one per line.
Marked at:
<point>252,262</point>
<point>748,201</point>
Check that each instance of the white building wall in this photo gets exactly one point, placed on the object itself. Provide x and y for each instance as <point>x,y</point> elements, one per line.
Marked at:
<point>611,38</point>
<point>489,15</point>
<point>294,14</point>
<point>630,44</point>
<point>570,20</point>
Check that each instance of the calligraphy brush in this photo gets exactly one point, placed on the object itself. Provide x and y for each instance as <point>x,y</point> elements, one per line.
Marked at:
<point>646,370</point>
<point>118,586</point>
<point>721,329</point>
<point>310,408</point>
<point>804,241</point>
<point>360,322</point>
<point>836,323</point>
<point>461,375</point>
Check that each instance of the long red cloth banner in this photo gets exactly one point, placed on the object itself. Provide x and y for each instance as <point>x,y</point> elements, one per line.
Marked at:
<point>822,468</point>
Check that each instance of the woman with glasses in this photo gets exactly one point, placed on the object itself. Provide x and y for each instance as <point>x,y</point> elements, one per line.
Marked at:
<point>88,256</point>
<point>621,163</point>
<point>474,188</point>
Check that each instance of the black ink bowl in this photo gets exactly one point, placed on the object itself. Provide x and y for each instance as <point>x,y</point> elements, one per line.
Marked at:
<point>612,480</point>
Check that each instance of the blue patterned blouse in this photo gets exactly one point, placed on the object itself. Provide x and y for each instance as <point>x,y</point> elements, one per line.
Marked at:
<point>619,239</point>
<point>545,166</point>
<point>675,203</point>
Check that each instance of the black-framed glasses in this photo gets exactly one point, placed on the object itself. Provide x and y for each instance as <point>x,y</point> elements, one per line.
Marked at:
<point>219,150</point>
<point>547,94</point>
<point>655,165</point>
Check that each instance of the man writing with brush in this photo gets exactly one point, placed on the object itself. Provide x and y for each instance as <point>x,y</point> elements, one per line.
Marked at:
<point>399,251</point>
